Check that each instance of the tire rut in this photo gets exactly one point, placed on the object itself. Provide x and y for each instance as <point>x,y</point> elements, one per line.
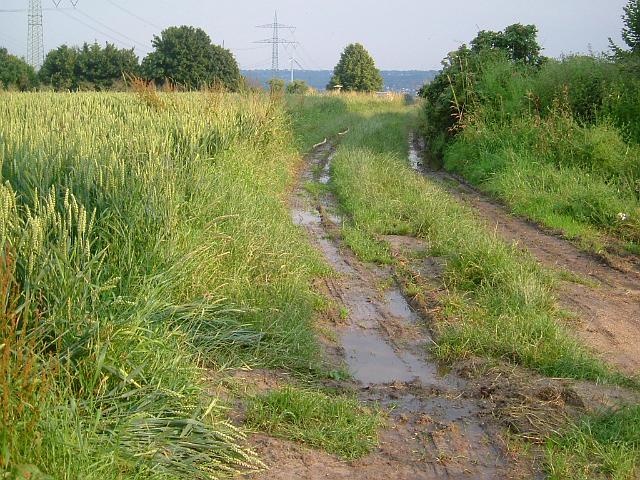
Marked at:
<point>606,299</point>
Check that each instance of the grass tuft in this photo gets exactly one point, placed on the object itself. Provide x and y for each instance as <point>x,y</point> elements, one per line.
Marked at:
<point>338,425</point>
<point>601,446</point>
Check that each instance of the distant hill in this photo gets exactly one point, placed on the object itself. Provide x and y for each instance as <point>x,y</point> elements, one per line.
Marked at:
<point>408,81</point>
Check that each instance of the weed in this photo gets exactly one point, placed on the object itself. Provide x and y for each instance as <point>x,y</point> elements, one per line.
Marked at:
<point>365,246</point>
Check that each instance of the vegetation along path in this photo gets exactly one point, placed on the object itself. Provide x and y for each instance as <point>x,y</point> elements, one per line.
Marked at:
<point>605,295</point>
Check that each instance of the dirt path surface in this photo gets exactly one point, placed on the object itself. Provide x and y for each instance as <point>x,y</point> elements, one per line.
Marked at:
<point>435,430</point>
<point>607,300</point>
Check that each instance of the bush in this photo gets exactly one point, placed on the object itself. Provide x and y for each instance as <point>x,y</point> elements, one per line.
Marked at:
<point>15,72</point>
<point>298,87</point>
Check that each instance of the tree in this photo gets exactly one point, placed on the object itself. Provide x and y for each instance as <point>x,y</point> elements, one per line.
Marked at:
<point>15,72</point>
<point>518,41</point>
<point>298,87</point>
<point>186,56</point>
<point>356,71</point>
<point>59,68</point>
<point>99,68</point>
<point>90,67</point>
<point>630,31</point>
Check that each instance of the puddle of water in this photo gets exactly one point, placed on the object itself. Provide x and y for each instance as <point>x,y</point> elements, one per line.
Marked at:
<point>450,410</point>
<point>427,373</point>
<point>333,257</point>
<point>305,218</point>
<point>398,306</point>
<point>372,360</point>
<point>325,176</point>
<point>419,159</point>
<point>441,408</point>
<point>414,159</point>
<point>361,311</point>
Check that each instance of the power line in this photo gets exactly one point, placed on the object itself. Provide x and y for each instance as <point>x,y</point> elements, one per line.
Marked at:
<point>90,27</point>
<point>275,42</point>
<point>97,30</point>
<point>103,25</point>
<point>134,15</point>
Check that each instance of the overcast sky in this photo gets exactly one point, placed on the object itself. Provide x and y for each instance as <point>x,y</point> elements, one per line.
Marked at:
<point>400,34</point>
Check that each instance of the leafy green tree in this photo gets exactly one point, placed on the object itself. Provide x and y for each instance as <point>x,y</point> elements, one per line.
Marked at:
<point>631,30</point>
<point>90,67</point>
<point>100,68</point>
<point>631,36</point>
<point>518,41</point>
<point>186,56</point>
<point>356,71</point>
<point>298,87</point>
<point>15,72</point>
<point>59,68</point>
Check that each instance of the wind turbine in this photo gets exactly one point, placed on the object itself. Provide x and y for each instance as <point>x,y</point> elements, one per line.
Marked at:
<point>294,61</point>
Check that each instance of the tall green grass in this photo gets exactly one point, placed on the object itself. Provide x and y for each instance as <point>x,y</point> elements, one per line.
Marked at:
<point>143,239</point>
<point>316,117</point>
<point>558,144</point>
<point>339,425</point>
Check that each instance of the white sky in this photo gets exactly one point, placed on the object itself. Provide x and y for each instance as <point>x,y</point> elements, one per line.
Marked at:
<point>403,34</point>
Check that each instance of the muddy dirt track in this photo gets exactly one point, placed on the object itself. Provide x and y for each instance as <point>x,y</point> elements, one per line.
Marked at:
<point>607,299</point>
<point>450,423</point>
<point>435,430</point>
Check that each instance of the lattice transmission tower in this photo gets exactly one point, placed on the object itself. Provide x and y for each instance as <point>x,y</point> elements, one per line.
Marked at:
<point>35,38</point>
<point>35,32</point>
<point>276,41</point>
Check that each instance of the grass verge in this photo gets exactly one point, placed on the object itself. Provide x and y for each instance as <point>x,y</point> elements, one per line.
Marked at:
<point>338,425</point>
<point>605,446</point>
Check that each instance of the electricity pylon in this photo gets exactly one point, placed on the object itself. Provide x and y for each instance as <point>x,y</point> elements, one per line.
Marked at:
<point>35,41</point>
<point>276,41</point>
<point>35,34</point>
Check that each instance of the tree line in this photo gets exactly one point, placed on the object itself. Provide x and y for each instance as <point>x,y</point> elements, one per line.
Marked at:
<point>183,57</point>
